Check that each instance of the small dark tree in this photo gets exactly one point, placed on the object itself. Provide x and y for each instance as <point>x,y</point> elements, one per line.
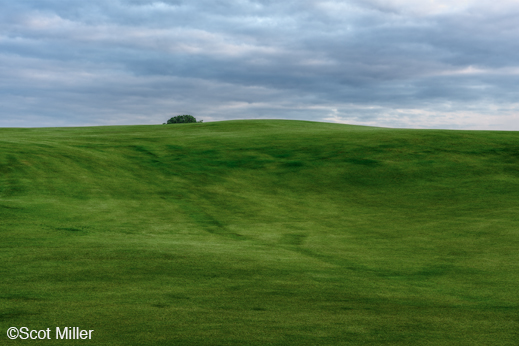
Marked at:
<point>182,119</point>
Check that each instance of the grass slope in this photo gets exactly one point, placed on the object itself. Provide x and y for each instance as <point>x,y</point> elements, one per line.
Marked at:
<point>260,233</point>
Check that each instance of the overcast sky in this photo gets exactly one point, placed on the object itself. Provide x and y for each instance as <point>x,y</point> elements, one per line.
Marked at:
<point>393,63</point>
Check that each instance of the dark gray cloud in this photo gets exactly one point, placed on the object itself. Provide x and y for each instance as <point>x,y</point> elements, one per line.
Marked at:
<point>377,62</point>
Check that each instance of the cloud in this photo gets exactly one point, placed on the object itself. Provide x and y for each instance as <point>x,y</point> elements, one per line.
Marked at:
<point>395,63</point>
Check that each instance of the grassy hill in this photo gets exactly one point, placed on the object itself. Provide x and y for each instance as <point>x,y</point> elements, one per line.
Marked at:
<point>260,233</point>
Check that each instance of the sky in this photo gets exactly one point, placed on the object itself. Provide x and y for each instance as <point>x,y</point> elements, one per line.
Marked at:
<point>391,63</point>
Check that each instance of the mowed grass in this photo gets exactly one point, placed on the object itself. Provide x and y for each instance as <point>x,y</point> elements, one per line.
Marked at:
<point>260,233</point>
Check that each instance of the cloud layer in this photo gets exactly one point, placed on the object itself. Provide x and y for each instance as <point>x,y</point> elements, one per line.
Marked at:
<point>396,63</point>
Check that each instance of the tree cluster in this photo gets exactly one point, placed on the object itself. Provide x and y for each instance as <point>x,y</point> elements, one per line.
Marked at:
<point>180,119</point>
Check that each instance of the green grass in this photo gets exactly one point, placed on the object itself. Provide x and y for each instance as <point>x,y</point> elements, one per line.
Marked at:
<point>260,233</point>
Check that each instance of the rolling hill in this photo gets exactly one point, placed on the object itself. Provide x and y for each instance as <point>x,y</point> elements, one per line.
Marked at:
<point>260,232</point>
